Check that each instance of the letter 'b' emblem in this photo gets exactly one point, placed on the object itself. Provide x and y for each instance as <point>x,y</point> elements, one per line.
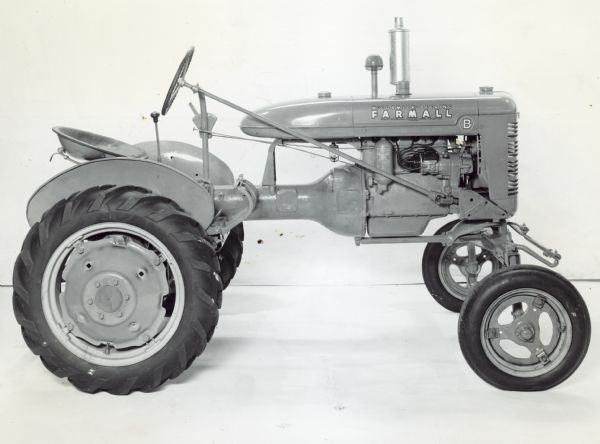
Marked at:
<point>467,123</point>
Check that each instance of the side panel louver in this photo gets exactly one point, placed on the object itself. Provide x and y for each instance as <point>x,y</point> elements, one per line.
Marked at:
<point>513,159</point>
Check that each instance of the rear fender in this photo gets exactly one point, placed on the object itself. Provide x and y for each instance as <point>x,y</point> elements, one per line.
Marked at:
<point>156,177</point>
<point>188,159</point>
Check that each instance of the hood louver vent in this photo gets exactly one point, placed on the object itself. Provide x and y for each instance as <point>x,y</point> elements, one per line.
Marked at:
<point>513,159</point>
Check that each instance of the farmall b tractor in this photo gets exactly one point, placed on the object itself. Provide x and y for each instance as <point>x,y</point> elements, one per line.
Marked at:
<point>120,278</point>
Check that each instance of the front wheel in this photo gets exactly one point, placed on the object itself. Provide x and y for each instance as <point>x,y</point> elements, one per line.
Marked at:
<point>450,272</point>
<point>524,328</point>
<point>116,289</point>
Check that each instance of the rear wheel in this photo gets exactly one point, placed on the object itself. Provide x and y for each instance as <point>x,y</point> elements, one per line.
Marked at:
<point>116,289</point>
<point>450,272</point>
<point>525,328</point>
<point>230,254</point>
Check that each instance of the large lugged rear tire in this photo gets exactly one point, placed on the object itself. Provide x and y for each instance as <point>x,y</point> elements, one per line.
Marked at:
<point>116,289</point>
<point>230,255</point>
<point>525,328</point>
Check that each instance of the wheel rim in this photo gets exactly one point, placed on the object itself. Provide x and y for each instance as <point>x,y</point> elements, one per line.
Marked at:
<point>526,332</point>
<point>113,294</point>
<point>462,265</point>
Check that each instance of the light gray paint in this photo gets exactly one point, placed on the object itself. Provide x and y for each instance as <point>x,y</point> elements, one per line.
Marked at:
<point>189,160</point>
<point>161,179</point>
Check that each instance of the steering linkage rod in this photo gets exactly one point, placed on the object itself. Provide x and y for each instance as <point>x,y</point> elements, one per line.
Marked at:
<point>433,195</point>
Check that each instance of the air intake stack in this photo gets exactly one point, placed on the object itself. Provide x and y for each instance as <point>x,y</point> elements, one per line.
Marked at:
<point>399,64</point>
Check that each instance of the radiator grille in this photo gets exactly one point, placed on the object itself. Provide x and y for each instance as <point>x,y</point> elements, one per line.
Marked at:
<point>513,159</point>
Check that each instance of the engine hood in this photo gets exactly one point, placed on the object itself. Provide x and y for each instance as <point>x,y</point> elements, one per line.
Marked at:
<point>350,117</point>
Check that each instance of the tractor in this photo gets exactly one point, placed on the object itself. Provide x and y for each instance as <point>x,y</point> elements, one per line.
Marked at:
<point>119,281</point>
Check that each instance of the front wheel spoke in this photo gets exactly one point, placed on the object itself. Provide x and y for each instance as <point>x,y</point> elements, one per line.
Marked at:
<point>471,252</point>
<point>463,269</point>
<point>500,332</point>
<point>508,333</point>
<point>537,349</point>
<point>532,315</point>
<point>493,333</point>
<point>482,257</point>
<point>459,261</point>
<point>471,279</point>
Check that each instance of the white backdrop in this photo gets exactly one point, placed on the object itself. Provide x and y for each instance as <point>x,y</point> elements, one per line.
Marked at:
<point>104,66</point>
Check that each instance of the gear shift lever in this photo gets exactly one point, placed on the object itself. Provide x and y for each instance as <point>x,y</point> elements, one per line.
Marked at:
<point>155,116</point>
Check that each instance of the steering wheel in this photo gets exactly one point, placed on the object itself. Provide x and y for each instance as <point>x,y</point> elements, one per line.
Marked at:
<point>179,75</point>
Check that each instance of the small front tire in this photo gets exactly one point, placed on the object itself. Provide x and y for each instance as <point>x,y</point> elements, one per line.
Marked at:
<point>525,328</point>
<point>450,272</point>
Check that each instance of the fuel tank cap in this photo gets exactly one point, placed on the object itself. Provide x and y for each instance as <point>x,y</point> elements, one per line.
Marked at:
<point>324,95</point>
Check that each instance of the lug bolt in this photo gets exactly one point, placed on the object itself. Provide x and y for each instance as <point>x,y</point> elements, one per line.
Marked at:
<point>134,326</point>
<point>126,297</point>
<point>101,315</point>
<point>115,282</point>
<point>80,318</point>
<point>120,314</point>
<point>97,284</point>
<point>90,301</point>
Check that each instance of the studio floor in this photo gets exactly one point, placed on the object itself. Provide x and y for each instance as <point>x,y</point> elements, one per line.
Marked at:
<point>369,364</point>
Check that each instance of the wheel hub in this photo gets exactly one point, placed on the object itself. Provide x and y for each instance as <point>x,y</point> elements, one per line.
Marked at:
<point>469,268</point>
<point>108,298</point>
<point>525,332</point>
<point>113,292</point>
<point>541,349</point>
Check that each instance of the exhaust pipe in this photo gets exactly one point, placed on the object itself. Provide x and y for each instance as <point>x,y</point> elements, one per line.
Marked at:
<point>399,64</point>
